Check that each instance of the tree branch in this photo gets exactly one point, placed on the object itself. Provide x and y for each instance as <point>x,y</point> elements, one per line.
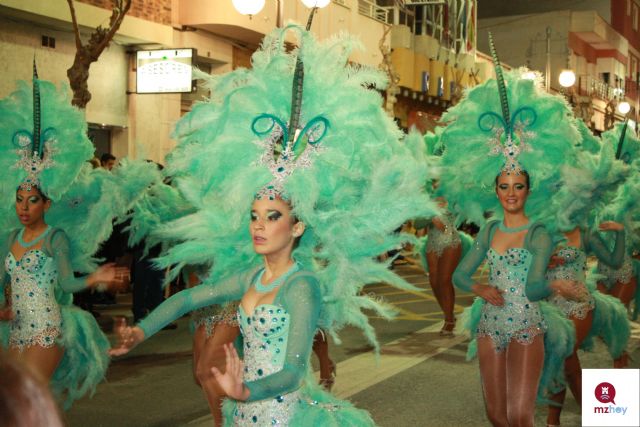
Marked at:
<point>74,20</point>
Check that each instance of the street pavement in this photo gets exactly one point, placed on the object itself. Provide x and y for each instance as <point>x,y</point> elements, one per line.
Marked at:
<point>419,379</point>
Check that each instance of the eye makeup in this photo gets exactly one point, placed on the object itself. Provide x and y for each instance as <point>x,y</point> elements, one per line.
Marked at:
<point>274,215</point>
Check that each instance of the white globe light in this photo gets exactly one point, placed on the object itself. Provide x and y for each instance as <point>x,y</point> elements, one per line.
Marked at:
<point>316,3</point>
<point>248,7</point>
<point>567,78</point>
<point>624,107</point>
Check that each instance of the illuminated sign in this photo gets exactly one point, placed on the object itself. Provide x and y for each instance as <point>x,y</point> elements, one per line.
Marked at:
<point>164,71</point>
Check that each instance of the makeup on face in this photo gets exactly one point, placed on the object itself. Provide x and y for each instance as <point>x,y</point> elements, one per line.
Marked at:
<point>30,206</point>
<point>272,226</point>
<point>512,191</point>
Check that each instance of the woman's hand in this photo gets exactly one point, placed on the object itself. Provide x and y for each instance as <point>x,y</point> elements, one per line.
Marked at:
<point>6,313</point>
<point>109,274</point>
<point>129,336</point>
<point>611,226</point>
<point>231,380</point>
<point>555,262</point>
<point>489,294</point>
<point>568,289</point>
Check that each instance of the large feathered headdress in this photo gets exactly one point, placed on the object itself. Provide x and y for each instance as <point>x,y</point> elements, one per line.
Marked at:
<point>508,124</point>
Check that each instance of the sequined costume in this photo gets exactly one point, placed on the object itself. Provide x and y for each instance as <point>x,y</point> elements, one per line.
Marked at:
<point>40,284</point>
<point>210,316</point>
<point>439,240</point>
<point>623,274</point>
<point>575,267</point>
<point>520,274</point>
<point>278,339</point>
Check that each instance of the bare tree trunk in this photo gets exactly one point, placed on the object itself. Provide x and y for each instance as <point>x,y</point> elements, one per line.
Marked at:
<point>86,54</point>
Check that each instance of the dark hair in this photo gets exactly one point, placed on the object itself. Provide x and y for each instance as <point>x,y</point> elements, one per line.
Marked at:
<point>526,177</point>
<point>24,400</point>
<point>106,157</point>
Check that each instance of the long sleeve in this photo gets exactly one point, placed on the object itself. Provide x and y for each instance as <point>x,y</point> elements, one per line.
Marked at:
<point>62,256</point>
<point>191,299</point>
<point>462,277</point>
<point>5,279</point>
<point>302,300</point>
<point>600,249</point>
<point>541,247</point>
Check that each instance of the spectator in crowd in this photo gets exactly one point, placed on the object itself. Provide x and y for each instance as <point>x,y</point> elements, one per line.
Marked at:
<point>108,161</point>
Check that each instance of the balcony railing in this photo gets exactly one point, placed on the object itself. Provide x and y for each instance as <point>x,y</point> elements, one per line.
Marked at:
<point>631,89</point>
<point>373,11</point>
<point>588,85</point>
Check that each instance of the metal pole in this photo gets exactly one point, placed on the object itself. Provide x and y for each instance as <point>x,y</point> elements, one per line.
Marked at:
<point>279,13</point>
<point>547,77</point>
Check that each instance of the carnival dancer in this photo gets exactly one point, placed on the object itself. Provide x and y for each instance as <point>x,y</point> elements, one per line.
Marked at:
<point>284,216</point>
<point>64,209</point>
<point>525,132</point>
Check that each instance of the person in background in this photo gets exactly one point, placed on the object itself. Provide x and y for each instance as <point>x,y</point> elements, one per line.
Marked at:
<point>107,161</point>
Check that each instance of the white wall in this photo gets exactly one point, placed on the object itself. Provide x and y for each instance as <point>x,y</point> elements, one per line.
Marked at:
<point>20,41</point>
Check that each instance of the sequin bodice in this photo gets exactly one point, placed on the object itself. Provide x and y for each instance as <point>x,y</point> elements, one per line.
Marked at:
<point>623,274</point>
<point>439,240</point>
<point>36,313</point>
<point>265,334</point>
<point>518,318</point>
<point>574,268</point>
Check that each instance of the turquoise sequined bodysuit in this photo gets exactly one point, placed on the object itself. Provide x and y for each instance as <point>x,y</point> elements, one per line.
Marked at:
<point>619,271</point>
<point>37,318</point>
<point>518,318</point>
<point>38,287</point>
<point>439,240</point>
<point>520,274</point>
<point>266,334</point>
<point>278,339</point>
<point>33,280</point>
<point>277,345</point>
<point>574,268</point>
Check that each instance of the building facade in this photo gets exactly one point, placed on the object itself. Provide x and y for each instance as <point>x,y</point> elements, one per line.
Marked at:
<point>124,122</point>
<point>596,39</point>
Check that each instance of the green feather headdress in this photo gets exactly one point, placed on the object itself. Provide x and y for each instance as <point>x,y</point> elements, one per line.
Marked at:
<point>43,140</point>
<point>361,185</point>
<point>537,137</point>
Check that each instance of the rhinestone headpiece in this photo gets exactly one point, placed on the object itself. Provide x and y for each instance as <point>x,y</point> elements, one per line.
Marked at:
<point>288,147</point>
<point>34,148</point>
<point>510,137</point>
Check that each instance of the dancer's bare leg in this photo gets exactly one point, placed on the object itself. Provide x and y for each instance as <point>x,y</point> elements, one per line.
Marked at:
<point>446,266</point>
<point>327,367</point>
<point>432,263</point>
<point>494,381</point>
<point>213,355</point>
<point>625,291</point>
<point>42,361</point>
<point>199,339</point>
<point>524,367</point>
<point>572,370</point>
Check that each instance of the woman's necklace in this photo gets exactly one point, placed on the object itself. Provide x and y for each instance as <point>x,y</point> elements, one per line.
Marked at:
<point>506,229</point>
<point>277,282</point>
<point>34,241</point>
